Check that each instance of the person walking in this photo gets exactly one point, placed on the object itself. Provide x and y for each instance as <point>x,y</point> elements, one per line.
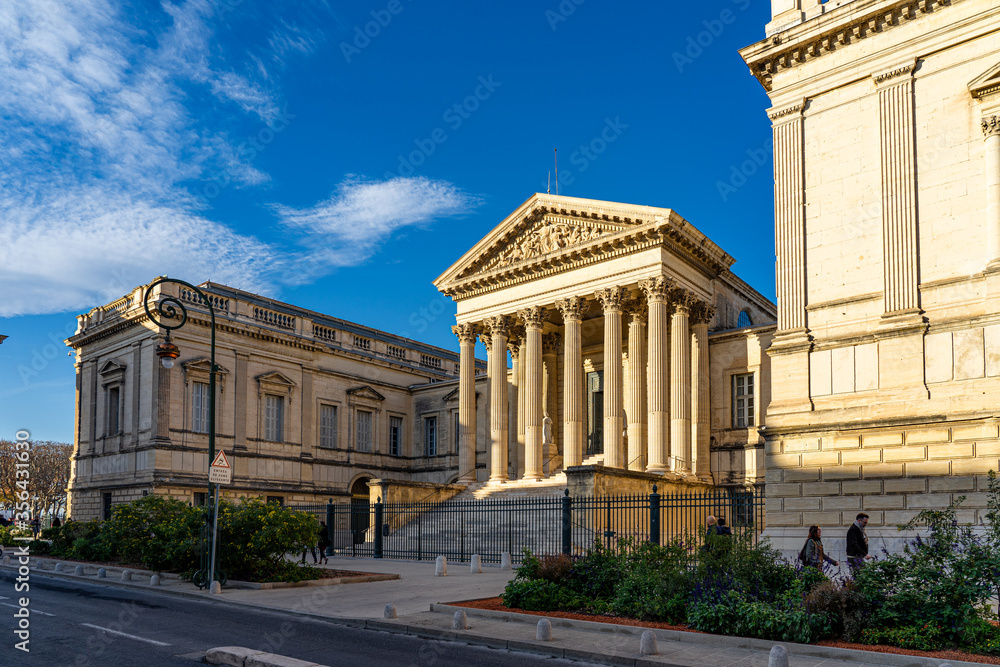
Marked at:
<point>721,527</point>
<point>813,554</point>
<point>324,542</point>
<point>36,526</point>
<point>857,541</point>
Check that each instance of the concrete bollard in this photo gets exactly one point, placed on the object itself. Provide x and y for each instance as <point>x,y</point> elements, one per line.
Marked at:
<point>102,573</point>
<point>390,611</point>
<point>461,621</point>
<point>543,632</point>
<point>505,563</point>
<point>78,570</point>
<point>58,567</point>
<point>441,567</point>
<point>778,657</point>
<point>647,645</point>
<point>6,560</point>
<point>37,564</point>
<point>216,588</point>
<point>154,580</point>
<point>126,575</point>
<point>476,564</point>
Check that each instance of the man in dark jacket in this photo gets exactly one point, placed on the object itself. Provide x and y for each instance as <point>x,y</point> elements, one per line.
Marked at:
<point>857,541</point>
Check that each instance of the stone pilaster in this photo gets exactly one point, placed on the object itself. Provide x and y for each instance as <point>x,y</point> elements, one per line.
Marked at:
<point>573,310</point>
<point>899,193</point>
<point>533,318</point>
<point>612,300</point>
<point>680,383</point>
<point>991,132</point>
<point>701,315</point>
<point>499,327</point>
<point>550,355</point>
<point>467,334</point>
<point>240,394</point>
<point>657,291</point>
<point>790,218</point>
<point>636,312</point>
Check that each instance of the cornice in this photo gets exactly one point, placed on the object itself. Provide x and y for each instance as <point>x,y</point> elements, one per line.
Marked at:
<point>824,34</point>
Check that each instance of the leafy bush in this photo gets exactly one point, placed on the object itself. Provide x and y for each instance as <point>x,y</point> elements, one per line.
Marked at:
<point>981,636</point>
<point>927,637</point>
<point>257,537</point>
<point>656,584</point>
<point>595,575</point>
<point>157,532</point>
<point>540,595</point>
<point>786,619</point>
<point>8,533</point>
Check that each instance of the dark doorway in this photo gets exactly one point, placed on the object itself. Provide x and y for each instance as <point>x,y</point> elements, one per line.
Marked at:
<point>595,413</point>
<point>106,506</point>
<point>360,520</point>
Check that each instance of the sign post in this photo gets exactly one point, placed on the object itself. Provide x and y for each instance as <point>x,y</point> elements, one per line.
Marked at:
<point>220,472</point>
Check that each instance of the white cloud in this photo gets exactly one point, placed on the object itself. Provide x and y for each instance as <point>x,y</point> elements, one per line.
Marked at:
<point>347,228</point>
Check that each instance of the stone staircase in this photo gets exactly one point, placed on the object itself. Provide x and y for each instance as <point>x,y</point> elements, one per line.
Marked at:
<point>554,485</point>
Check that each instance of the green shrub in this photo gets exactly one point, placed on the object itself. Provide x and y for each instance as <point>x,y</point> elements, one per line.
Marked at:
<point>596,575</point>
<point>39,547</point>
<point>786,619</point>
<point>927,637</point>
<point>8,533</point>
<point>981,636</point>
<point>256,537</point>
<point>156,532</point>
<point>655,584</point>
<point>540,595</point>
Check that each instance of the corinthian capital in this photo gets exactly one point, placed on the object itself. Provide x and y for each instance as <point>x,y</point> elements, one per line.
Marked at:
<point>656,289</point>
<point>636,310</point>
<point>682,300</point>
<point>498,325</point>
<point>487,340</point>
<point>551,343</point>
<point>612,298</point>
<point>533,317</point>
<point>702,313</point>
<point>991,126</point>
<point>573,308</point>
<point>467,333</point>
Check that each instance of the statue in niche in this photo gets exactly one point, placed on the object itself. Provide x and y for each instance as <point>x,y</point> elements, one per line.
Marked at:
<point>547,430</point>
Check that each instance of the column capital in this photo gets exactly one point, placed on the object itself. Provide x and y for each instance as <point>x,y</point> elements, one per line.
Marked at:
<point>656,289</point>
<point>467,333</point>
<point>498,325</point>
<point>551,343</point>
<point>636,310</point>
<point>612,299</point>
<point>991,126</point>
<point>573,308</point>
<point>702,313</point>
<point>487,340</point>
<point>533,316</point>
<point>682,300</point>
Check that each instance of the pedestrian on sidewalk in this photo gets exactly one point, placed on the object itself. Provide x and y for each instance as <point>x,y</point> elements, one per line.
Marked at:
<point>857,542</point>
<point>812,554</point>
<point>324,541</point>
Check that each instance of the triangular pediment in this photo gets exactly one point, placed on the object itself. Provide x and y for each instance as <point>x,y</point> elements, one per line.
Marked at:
<point>365,392</point>
<point>203,365</point>
<point>111,367</point>
<point>545,225</point>
<point>274,377</point>
<point>988,83</point>
<point>453,396</point>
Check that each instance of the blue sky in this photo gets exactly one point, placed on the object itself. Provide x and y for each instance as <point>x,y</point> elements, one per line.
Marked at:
<point>340,156</point>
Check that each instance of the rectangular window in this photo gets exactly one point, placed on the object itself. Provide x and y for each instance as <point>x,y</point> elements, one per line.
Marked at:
<point>395,435</point>
<point>200,499</point>
<point>364,443</point>
<point>106,506</point>
<point>328,426</point>
<point>430,436</point>
<point>743,416</point>
<point>114,410</point>
<point>199,407</point>
<point>455,437</point>
<point>274,417</point>
<point>278,500</point>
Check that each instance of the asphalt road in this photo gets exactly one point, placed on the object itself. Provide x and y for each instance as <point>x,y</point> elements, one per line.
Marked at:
<point>77,624</point>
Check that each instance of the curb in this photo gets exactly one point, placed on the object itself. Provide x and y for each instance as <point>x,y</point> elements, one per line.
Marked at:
<point>334,581</point>
<point>239,656</point>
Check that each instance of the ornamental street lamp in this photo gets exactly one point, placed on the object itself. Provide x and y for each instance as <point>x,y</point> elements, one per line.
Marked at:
<point>171,308</point>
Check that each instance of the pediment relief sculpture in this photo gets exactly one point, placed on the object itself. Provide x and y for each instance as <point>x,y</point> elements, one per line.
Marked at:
<point>543,239</point>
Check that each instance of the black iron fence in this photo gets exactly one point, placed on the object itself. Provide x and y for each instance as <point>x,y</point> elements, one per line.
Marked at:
<point>544,525</point>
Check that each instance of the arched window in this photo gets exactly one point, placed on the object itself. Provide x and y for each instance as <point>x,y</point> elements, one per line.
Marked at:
<point>744,320</point>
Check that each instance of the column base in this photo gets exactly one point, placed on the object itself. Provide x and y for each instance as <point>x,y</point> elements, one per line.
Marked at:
<point>533,477</point>
<point>498,479</point>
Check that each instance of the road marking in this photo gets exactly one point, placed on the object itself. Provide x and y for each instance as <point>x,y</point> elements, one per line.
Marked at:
<point>125,634</point>
<point>33,611</point>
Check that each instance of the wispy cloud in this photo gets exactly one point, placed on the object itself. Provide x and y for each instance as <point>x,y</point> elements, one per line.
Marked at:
<point>349,227</point>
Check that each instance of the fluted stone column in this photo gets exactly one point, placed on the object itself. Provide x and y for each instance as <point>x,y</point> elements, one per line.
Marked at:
<point>680,384</point>
<point>487,341</point>
<point>612,300</point>
<point>467,334</point>
<point>635,406</point>
<point>657,291</point>
<point>991,130</point>
<point>515,440</point>
<point>550,353</point>
<point>497,364</point>
<point>533,318</point>
<point>573,310</point>
<point>701,315</point>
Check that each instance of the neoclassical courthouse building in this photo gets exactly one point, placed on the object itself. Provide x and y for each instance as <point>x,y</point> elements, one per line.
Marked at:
<point>618,333</point>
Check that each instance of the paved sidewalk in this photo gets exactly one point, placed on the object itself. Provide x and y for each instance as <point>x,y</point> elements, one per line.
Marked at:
<point>420,597</point>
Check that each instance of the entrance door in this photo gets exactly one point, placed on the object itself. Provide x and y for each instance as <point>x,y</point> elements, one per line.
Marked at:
<point>595,413</point>
<point>360,511</point>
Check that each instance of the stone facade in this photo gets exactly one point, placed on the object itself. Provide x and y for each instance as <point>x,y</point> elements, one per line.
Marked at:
<point>309,407</point>
<point>630,340</point>
<point>886,359</point>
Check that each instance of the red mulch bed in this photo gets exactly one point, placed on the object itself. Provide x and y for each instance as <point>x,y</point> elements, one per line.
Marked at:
<point>333,574</point>
<point>495,604</point>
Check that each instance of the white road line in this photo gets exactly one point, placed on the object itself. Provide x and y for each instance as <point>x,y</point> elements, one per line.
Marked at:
<point>33,611</point>
<point>125,634</point>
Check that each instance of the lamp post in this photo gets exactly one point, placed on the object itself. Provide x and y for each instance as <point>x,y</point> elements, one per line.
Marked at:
<point>171,308</point>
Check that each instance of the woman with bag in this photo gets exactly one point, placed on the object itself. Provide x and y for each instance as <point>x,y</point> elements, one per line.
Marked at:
<point>812,554</point>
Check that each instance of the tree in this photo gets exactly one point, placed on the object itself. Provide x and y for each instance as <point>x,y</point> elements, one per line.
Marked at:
<point>48,474</point>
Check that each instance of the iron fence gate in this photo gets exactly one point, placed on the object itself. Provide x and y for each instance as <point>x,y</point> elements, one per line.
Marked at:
<point>543,525</point>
